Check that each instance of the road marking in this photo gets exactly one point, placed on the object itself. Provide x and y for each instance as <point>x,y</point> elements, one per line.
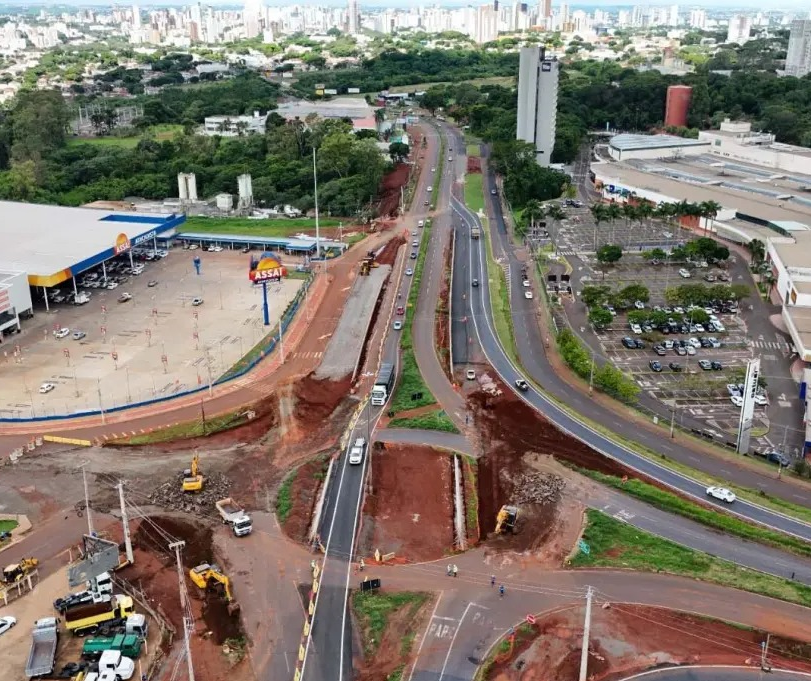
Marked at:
<point>453,640</point>
<point>446,619</point>
<point>425,636</point>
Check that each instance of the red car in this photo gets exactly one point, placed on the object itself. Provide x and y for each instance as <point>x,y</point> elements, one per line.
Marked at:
<point>400,309</point>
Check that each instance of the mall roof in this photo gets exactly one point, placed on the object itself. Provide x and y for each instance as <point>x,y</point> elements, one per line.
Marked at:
<point>53,243</point>
<point>628,142</point>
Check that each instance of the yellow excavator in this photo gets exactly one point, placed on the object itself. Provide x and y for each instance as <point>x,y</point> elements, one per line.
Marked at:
<point>193,479</point>
<point>16,571</point>
<point>506,519</point>
<point>206,576</point>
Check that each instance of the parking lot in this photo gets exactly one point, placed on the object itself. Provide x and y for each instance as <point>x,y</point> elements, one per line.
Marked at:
<point>174,332</point>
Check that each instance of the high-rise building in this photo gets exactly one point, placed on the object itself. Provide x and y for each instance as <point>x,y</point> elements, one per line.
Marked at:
<point>673,16</point>
<point>740,26</point>
<point>354,17</point>
<point>537,101</point>
<point>486,24</point>
<point>544,10</point>
<point>136,17</point>
<point>698,18</point>
<point>798,57</point>
<point>252,17</point>
<point>677,105</point>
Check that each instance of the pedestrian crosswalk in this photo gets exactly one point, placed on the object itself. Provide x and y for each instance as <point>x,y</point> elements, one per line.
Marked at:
<point>307,355</point>
<point>567,252</point>
<point>770,345</point>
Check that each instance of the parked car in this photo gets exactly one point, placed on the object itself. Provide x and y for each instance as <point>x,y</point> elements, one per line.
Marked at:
<point>78,335</point>
<point>639,305</point>
<point>685,274</point>
<point>655,366</point>
<point>774,456</point>
<point>691,351</point>
<point>667,344</point>
<point>722,494</point>
<point>675,366</point>
<point>694,342</point>
<point>761,400</point>
<point>635,328</point>
<point>124,297</point>
<point>737,400</point>
<point>705,364</point>
<point>62,333</point>
<point>46,388</point>
<point>152,284</point>
<point>659,350</point>
<point>714,342</point>
<point>629,343</point>
<point>6,623</point>
<point>732,390</point>
<point>680,351</point>
<point>638,344</point>
<point>196,302</point>
<point>525,283</point>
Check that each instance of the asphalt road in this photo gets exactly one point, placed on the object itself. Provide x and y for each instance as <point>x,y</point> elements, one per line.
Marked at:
<point>717,674</point>
<point>328,650</point>
<point>530,349</point>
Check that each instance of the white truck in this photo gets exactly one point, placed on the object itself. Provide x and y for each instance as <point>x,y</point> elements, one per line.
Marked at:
<point>234,515</point>
<point>113,661</point>
<point>43,648</point>
<point>383,384</point>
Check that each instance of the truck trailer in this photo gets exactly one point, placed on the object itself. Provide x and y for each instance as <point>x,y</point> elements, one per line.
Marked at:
<point>87,618</point>
<point>43,648</point>
<point>128,645</point>
<point>383,384</point>
<point>234,515</point>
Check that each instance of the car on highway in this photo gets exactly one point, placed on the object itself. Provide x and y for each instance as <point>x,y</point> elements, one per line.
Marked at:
<point>433,170</point>
<point>421,223</point>
<point>470,374</point>
<point>78,335</point>
<point>684,274</point>
<point>414,232</point>
<point>475,283</point>
<point>397,325</point>
<point>413,255</point>
<point>528,295</point>
<point>46,388</point>
<point>737,400</point>
<point>124,297</point>
<point>357,451</point>
<point>409,272</point>
<point>196,302</point>
<point>521,384</point>
<point>429,188</point>
<point>415,244</point>
<point>722,494</point>
<point>493,192</point>
<point>400,310</point>
<point>655,366</point>
<point>526,283</point>
<point>62,333</point>
<point>6,623</point>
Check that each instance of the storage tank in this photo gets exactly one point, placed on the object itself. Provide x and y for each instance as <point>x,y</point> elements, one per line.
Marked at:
<point>225,202</point>
<point>677,105</point>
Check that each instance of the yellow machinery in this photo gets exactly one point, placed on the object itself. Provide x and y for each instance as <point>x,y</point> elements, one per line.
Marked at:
<point>368,263</point>
<point>207,576</point>
<point>193,479</point>
<point>16,571</point>
<point>506,519</point>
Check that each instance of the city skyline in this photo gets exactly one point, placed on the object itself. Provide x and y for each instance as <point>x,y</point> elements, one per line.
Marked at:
<point>725,5</point>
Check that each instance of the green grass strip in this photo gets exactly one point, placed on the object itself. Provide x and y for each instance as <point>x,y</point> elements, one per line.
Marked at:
<point>373,610</point>
<point>246,227</point>
<point>616,544</point>
<point>672,503</point>
<point>435,420</point>
<point>190,429</point>
<point>284,500</point>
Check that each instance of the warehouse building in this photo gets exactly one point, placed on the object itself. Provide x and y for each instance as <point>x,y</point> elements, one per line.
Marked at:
<point>50,245</point>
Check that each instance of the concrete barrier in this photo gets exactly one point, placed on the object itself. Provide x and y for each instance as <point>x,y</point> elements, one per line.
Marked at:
<point>67,440</point>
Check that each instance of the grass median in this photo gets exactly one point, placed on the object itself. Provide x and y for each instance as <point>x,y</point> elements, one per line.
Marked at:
<point>499,295</point>
<point>373,611</point>
<point>615,544</point>
<point>672,503</point>
<point>435,420</point>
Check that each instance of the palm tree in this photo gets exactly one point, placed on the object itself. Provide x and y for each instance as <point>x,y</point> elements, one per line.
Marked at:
<point>532,213</point>
<point>555,213</point>
<point>380,116</point>
<point>757,249</point>
<point>709,211</point>
<point>613,212</point>
<point>630,212</point>
<point>644,213</point>
<point>598,214</point>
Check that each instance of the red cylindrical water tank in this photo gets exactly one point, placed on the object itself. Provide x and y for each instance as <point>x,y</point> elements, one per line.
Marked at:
<point>677,106</point>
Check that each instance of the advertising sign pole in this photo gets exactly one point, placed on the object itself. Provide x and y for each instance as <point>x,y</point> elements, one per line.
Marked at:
<point>265,311</point>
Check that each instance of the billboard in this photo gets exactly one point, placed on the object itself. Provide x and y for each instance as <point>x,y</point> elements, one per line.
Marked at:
<point>330,92</point>
<point>353,90</point>
<point>122,244</point>
<point>266,268</point>
<point>748,407</point>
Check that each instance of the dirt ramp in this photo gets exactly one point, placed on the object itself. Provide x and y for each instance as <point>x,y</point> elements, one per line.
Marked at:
<point>316,399</point>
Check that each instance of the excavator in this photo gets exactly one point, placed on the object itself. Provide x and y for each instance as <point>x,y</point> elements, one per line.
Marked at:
<point>506,519</point>
<point>368,263</point>
<point>206,576</point>
<point>193,479</point>
<point>16,571</point>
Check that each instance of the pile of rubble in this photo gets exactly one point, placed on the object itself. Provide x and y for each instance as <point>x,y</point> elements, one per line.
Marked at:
<point>487,384</point>
<point>532,487</point>
<point>170,494</point>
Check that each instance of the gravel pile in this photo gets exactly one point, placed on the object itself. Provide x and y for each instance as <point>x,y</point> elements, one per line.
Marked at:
<point>171,495</point>
<point>532,487</point>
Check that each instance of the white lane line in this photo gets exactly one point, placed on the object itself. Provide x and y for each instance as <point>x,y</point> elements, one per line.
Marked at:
<point>453,640</point>
<point>425,635</point>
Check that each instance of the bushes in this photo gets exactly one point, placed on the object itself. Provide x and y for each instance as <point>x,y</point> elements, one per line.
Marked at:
<point>607,377</point>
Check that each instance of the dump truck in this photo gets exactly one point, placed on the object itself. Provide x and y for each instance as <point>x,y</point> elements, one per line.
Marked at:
<point>475,232</point>
<point>135,624</point>
<point>112,661</point>
<point>383,384</point>
<point>234,515</point>
<point>45,637</point>
<point>87,618</point>
<point>128,645</point>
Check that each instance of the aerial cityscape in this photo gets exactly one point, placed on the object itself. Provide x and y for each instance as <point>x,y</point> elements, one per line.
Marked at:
<point>405,342</point>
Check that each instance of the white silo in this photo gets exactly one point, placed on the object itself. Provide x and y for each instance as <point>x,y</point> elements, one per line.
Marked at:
<point>245,190</point>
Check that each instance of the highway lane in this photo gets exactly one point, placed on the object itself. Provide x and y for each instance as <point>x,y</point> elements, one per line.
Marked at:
<point>483,323</point>
<point>718,673</point>
<point>328,649</point>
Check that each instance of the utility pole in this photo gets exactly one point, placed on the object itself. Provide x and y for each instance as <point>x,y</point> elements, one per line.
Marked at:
<point>672,420</point>
<point>764,648</point>
<point>591,376</point>
<point>101,406</point>
<point>315,192</point>
<point>369,443</point>
<point>177,546</point>
<point>125,522</point>
<point>584,652</point>
<point>281,338</point>
<point>87,500</point>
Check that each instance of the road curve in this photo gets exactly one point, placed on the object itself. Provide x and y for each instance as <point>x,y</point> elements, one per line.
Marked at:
<point>481,312</point>
<point>717,673</point>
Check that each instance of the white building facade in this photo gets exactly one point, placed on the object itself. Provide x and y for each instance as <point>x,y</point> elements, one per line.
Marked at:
<point>537,102</point>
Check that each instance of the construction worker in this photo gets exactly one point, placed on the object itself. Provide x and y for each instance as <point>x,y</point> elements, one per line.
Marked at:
<point>450,569</point>
<point>492,580</point>
<point>362,565</point>
<point>455,570</point>
<point>501,591</point>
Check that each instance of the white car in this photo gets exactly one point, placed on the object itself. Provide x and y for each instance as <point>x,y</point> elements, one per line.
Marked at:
<point>761,400</point>
<point>430,188</point>
<point>216,249</point>
<point>694,342</point>
<point>690,350</point>
<point>718,326</point>
<point>415,244</point>
<point>6,623</point>
<point>112,285</point>
<point>421,223</point>
<point>409,272</point>
<point>196,302</point>
<point>722,494</point>
<point>193,247</point>
<point>526,283</point>
<point>357,451</point>
<point>737,400</point>
<point>684,274</point>
<point>64,332</point>
<point>78,335</point>
<point>636,328</point>
<point>414,233</point>
<point>46,388</point>
<point>470,374</point>
<point>639,305</point>
<point>433,170</point>
<point>397,325</point>
<point>528,295</point>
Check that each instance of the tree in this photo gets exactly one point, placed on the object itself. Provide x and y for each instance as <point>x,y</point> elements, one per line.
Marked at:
<point>709,211</point>
<point>609,254</point>
<point>38,124</point>
<point>380,116</point>
<point>398,152</point>
<point>600,318</point>
<point>433,99</point>
<point>634,292</point>
<point>533,212</point>
<point>598,214</point>
<point>757,251</point>
<point>555,213</point>
<point>595,295</point>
